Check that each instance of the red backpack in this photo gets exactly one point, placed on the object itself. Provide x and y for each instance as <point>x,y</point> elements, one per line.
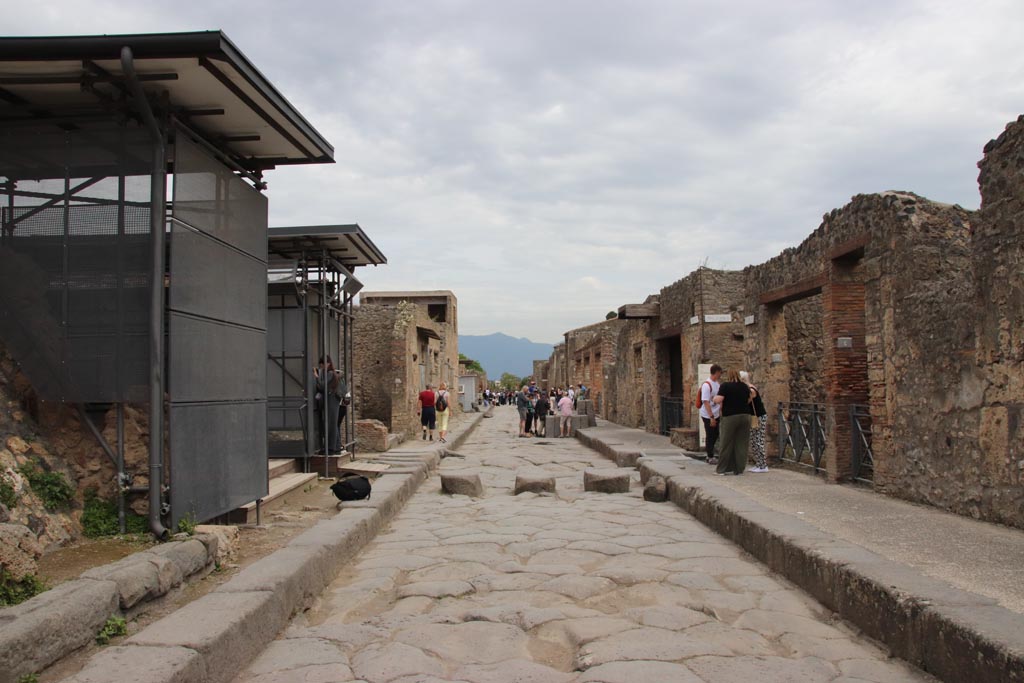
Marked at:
<point>699,402</point>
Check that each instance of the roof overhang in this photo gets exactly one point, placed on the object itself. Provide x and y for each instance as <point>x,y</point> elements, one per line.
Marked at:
<point>347,244</point>
<point>199,78</point>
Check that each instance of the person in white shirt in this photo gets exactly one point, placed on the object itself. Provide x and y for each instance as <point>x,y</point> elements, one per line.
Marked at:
<point>710,412</point>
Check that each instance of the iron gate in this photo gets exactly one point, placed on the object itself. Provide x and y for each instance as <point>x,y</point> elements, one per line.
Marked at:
<point>863,458</point>
<point>671,413</point>
<point>802,433</point>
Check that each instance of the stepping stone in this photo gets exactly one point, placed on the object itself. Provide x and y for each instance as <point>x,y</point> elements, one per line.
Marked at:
<point>530,482</point>
<point>606,480</point>
<point>656,490</point>
<point>462,483</point>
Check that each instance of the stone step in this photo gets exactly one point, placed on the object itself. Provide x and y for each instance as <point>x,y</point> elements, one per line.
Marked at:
<point>279,466</point>
<point>279,487</point>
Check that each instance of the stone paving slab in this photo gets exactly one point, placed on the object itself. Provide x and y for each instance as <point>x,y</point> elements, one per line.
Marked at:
<point>571,587</point>
<point>954,634</point>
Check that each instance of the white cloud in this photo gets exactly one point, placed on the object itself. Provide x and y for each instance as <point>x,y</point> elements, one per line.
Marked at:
<point>550,162</point>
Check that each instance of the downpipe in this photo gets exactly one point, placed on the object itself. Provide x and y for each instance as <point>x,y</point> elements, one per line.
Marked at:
<point>158,201</point>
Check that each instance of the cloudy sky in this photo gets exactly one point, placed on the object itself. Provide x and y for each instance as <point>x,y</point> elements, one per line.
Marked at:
<point>551,161</point>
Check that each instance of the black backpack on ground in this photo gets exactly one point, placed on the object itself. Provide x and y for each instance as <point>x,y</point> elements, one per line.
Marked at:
<point>354,487</point>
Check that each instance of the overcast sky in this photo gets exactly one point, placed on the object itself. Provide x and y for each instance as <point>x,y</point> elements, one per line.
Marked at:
<point>551,161</point>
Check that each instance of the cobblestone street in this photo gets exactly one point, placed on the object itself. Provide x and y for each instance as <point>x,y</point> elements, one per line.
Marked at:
<point>573,587</point>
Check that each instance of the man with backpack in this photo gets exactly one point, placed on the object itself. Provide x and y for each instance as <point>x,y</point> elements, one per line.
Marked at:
<point>427,411</point>
<point>710,412</point>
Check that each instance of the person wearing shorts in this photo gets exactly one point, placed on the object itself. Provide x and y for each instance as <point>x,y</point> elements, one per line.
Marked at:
<point>442,415</point>
<point>564,415</point>
<point>427,412</point>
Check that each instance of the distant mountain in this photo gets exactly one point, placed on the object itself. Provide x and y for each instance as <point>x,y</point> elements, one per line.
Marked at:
<point>500,353</point>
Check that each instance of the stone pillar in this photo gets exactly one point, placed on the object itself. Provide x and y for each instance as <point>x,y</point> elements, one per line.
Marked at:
<point>846,366</point>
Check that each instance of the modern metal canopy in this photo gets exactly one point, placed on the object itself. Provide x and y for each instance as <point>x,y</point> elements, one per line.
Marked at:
<point>346,243</point>
<point>200,78</point>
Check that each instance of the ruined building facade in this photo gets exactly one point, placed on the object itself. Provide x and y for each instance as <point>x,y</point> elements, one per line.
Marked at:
<point>898,324</point>
<point>402,341</point>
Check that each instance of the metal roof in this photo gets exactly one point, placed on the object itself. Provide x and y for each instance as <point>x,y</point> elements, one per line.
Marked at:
<point>346,243</point>
<point>207,82</point>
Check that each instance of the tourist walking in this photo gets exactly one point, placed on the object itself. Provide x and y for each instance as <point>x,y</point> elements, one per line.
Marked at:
<point>734,396</point>
<point>710,412</point>
<point>427,411</point>
<point>758,426</point>
<point>443,408</point>
<point>564,415</point>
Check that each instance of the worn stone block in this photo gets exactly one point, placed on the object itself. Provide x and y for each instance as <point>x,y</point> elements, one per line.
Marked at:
<point>40,631</point>
<point>534,482</point>
<point>462,483</point>
<point>190,556</point>
<point>297,574</point>
<point>656,490</point>
<point>371,435</point>
<point>606,480</point>
<point>136,577</point>
<point>136,664</point>
<point>228,629</point>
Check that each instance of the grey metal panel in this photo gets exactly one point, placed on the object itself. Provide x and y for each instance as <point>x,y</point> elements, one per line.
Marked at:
<point>216,281</point>
<point>217,339</point>
<point>213,361</point>
<point>219,458</point>
<point>294,339</point>
<point>208,196</point>
<point>74,275</point>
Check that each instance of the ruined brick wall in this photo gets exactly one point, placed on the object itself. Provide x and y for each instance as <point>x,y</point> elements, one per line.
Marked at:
<point>393,335</point>
<point>556,366</point>
<point>630,397</point>
<point>805,349</point>
<point>373,361</point>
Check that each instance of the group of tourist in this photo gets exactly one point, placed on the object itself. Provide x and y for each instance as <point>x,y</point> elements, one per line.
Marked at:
<point>434,408</point>
<point>735,419</point>
<point>534,405</point>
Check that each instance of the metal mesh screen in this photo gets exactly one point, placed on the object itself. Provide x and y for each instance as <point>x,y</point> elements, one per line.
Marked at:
<point>75,260</point>
<point>217,338</point>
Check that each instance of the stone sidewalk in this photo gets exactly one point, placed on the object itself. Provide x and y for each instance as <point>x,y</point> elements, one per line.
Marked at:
<point>942,591</point>
<point>567,588</point>
<point>210,639</point>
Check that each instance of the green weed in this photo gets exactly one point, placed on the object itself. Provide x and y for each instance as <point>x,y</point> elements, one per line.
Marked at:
<point>115,626</point>
<point>14,591</point>
<point>52,488</point>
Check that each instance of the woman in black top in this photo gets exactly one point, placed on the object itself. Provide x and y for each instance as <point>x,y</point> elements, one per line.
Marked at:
<point>734,433</point>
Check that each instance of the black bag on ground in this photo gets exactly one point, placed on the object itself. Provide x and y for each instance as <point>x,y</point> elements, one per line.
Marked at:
<point>351,488</point>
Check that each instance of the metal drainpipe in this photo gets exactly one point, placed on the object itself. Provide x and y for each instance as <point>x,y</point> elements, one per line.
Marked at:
<point>158,202</point>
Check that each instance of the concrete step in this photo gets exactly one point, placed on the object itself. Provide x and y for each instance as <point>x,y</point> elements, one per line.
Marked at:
<point>334,462</point>
<point>280,466</point>
<point>279,487</point>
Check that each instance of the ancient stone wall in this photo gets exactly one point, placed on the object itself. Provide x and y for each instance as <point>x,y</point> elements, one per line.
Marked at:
<point>401,341</point>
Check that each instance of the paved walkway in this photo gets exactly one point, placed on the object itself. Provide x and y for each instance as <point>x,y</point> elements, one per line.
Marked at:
<point>574,587</point>
<point>982,558</point>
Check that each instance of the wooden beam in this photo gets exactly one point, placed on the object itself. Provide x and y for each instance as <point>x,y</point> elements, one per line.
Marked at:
<point>640,311</point>
<point>798,290</point>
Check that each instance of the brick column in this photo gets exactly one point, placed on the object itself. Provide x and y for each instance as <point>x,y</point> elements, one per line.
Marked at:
<point>846,366</point>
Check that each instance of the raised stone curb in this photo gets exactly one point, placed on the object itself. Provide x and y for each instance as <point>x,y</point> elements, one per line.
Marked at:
<point>606,480</point>
<point>38,632</point>
<point>214,637</point>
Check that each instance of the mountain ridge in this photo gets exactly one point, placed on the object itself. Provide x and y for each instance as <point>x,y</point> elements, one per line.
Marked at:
<point>499,353</point>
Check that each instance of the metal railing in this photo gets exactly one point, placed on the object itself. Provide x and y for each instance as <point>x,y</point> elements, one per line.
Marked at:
<point>862,457</point>
<point>671,413</point>
<point>802,433</point>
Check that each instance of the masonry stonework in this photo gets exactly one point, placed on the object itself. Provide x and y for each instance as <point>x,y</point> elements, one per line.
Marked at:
<point>908,310</point>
